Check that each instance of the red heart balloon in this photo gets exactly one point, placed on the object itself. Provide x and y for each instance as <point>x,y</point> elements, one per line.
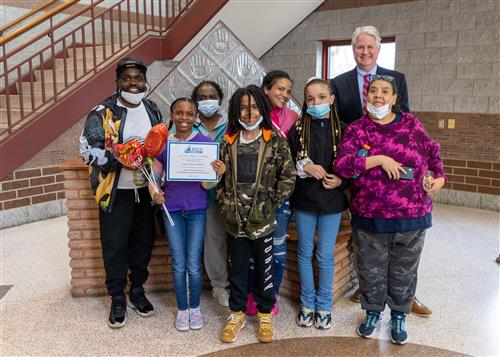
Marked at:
<point>155,140</point>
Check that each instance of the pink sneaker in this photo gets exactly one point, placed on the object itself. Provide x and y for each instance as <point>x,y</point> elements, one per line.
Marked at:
<point>251,305</point>
<point>276,309</point>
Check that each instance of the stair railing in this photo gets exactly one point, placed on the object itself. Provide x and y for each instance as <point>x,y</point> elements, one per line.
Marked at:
<point>44,76</point>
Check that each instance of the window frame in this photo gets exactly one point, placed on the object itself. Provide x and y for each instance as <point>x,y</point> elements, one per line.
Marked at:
<point>329,43</point>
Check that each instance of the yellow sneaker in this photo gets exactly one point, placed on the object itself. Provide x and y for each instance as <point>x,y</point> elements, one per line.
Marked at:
<point>265,332</point>
<point>235,322</point>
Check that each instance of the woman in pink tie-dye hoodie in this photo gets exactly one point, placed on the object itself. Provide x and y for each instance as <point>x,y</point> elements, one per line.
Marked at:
<point>391,206</point>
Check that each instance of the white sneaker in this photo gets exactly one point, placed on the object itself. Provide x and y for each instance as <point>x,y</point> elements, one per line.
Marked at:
<point>196,320</point>
<point>221,295</point>
<point>182,320</point>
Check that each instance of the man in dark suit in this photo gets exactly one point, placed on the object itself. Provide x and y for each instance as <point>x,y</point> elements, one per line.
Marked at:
<point>348,87</point>
<point>349,98</point>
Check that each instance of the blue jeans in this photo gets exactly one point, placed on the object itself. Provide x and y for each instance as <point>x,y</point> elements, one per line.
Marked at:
<point>280,236</point>
<point>328,227</point>
<point>186,245</point>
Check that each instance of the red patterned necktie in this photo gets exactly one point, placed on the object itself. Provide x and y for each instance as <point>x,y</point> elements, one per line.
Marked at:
<point>365,91</point>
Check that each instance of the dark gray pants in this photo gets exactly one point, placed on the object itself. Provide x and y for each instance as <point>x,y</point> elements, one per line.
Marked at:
<point>387,268</point>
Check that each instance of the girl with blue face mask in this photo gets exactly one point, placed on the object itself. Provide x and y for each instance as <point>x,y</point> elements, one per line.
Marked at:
<point>317,201</point>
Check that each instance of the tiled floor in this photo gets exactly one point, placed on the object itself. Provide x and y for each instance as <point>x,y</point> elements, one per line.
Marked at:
<point>459,280</point>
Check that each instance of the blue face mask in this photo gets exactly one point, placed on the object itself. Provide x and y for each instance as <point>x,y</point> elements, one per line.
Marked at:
<point>319,111</point>
<point>208,107</point>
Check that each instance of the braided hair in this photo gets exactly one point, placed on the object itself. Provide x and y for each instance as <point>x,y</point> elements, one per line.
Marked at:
<point>234,110</point>
<point>303,125</point>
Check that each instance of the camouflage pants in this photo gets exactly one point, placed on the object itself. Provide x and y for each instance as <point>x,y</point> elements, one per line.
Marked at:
<point>387,268</point>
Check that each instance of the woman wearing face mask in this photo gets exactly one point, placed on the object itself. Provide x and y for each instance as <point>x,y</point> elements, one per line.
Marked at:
<point>277,85</point>
<point>318,200</point>
<point>212,122</point>
<point>259,176</point>
<point>391,206</point>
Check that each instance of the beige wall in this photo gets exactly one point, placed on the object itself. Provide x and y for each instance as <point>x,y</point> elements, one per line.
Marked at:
<point>449,50</point>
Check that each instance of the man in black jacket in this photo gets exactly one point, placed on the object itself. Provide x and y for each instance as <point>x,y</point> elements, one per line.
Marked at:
<point>348,87</point>
<point>125,211</point>
<point>350,92</point>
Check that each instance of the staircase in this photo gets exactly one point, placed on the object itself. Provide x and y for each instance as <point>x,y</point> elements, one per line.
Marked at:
<point>33,94</point>
<point>47,92</point>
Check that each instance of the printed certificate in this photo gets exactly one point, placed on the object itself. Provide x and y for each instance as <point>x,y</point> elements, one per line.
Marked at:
<point>190,161</point>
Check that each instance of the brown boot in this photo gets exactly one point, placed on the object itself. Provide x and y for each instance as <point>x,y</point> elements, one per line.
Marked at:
<point>419,309</point>
<point>235,322</point>
<point>356,297</point>
<point>265,331</point>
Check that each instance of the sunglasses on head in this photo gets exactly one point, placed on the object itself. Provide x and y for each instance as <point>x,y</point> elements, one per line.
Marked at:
<point>383,77</point>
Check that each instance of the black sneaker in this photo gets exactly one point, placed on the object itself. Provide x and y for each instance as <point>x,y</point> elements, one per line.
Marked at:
<point>140,303</point>
<point>118,312</point>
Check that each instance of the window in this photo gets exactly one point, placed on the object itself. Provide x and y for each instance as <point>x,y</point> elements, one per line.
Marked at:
<point>338,58</point>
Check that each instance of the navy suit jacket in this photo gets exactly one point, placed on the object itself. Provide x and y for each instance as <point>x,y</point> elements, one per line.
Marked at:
<point>346,90</point>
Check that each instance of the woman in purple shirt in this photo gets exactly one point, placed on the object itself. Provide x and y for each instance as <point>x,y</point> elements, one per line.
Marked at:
<point>391,207</point>
<point>187,203</point>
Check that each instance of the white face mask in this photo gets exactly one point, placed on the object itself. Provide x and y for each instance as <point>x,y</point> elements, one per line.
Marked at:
<point>132,98</point>
<point>378,112</point>
<point>251,127</point>
<point>208,107</point>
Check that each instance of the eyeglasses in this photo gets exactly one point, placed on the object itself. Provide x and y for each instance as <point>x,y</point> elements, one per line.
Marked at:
<point>382,77</point>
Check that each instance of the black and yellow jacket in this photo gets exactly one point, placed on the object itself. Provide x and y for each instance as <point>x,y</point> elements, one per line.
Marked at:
<point>103,120</point>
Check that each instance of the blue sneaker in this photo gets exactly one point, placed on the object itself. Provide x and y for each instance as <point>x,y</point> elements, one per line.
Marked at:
<point>399,335</point>
<point>368,326</point>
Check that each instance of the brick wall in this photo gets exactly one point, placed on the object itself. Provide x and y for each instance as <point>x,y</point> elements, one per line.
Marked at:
<point>87,271</point>
<point>475,136</point>
<point>470,151</point>
<point>473,176</point>
<point>31,186</point>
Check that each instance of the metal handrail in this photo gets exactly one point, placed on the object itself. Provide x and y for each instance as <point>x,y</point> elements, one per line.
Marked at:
<point>27,15</point>
<point>49,14</point>
<point>55,65</point>
<point>52,29</point>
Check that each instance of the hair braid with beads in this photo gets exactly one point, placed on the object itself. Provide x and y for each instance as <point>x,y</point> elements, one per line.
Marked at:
<point>303,125</point>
